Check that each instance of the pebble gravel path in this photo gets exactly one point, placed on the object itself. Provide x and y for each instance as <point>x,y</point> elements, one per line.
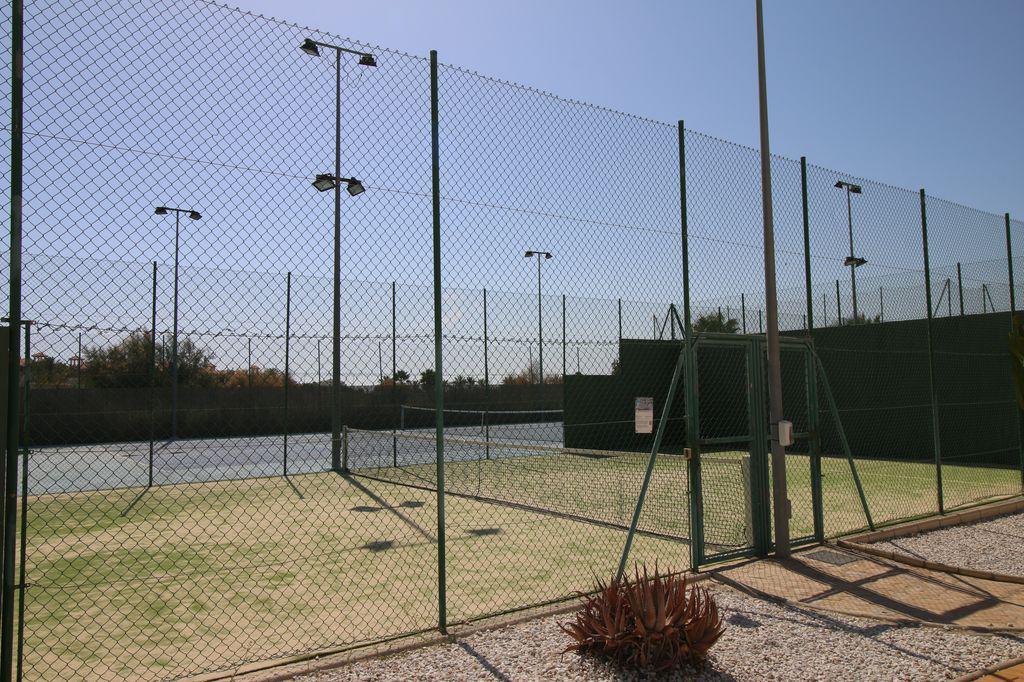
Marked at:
<point>995,545</point>
<point>763,641</point>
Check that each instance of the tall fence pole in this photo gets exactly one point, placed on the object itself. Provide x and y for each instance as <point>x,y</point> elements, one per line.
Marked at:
<point>152,378</point>
<point>287,360</point>
<point>810,374</point>
<point>24,500</point>
<point>881,305</point>
<point>960,288</point>
<point>487,388</point>
<point>563,345</point>
<point>839,307</point>
<point>1013,311</point>
<point>435,176</point>
<point>619,349</point>
<point>14,350</point>
<point>743,311</point>
<point>937,441</point>
<point>780,495</point>
<point>78,370</point>
<point>696,505</point>
<point>394,375</point>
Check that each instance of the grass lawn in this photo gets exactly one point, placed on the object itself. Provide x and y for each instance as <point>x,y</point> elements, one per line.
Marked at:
<point>198,577</point>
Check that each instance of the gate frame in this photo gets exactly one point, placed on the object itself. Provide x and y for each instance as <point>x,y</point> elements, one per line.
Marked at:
<point>757,436</point>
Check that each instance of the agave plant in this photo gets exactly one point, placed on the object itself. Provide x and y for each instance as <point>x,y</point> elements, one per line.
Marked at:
<point>653,622</point>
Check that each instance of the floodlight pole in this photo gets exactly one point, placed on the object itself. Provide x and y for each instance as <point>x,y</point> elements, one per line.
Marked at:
<point>853,265</point>
<point>781,508</point>
<point>174,333</point>
<point>311,47</point>
<point>194,215</point>
<point>540,256</point>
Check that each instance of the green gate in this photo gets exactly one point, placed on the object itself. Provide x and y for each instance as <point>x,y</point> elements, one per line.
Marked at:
<point>728,442</point>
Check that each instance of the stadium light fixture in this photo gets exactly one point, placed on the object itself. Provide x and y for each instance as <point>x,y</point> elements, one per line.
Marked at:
<point>325,181</point>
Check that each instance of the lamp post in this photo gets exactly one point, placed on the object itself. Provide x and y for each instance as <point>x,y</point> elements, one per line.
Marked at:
<point>852,261</point>
<point>312,48</point>
<point>541,256</point>
<point>193,215</point>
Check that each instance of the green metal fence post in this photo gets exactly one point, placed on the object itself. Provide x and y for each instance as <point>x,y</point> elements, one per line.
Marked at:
<point>24,501</point>
<point>1013,311</point>
<point>435,176</point>
<point>394,374</point>
<point>936,439</point>
<point>960,288</point>
<point>152,377</point>
<point>881,306</point>
<point>620,326</point>
<point>814,435</point>
<point>14,350</point>
<point>287,360</point>
<point>839,307</point>
<point>743,311</point>
<point>487,388</point>
<point>563,344</point>
<point>696,505</point>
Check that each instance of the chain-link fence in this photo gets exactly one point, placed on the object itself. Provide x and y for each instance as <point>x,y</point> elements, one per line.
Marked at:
<point>260,420</point>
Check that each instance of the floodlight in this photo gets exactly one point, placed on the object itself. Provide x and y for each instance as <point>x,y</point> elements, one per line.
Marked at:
<point>310,47</point>
<point>547,256</point>
<point>355,188</point>
<point>367,60</point>
<point>161,210</point>
<point>324,182</point>
<point>855,262</point>
<point>194,215</point>
<point>529,254</point>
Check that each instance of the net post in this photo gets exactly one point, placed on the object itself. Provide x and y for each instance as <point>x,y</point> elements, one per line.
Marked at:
<point>936,440</point>
<point>287,359</point>
<point>810,376</point>
<point>435,163</point>
<point>152,378</point>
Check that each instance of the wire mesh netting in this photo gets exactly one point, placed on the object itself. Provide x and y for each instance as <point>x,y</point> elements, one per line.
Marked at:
<point>222,461</point>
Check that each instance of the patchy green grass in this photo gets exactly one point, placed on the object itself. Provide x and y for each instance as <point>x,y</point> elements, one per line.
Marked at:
<point>191,578</point>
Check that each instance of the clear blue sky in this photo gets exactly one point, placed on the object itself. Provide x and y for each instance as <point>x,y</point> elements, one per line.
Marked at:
<point>911,93</point>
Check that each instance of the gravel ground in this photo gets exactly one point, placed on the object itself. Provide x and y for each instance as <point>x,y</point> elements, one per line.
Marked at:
<point>987,546</point>
<point>762,641</point>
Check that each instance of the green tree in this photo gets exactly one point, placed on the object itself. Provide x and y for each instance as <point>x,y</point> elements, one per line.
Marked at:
<point>716,322</point>
<point>126,364</point>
